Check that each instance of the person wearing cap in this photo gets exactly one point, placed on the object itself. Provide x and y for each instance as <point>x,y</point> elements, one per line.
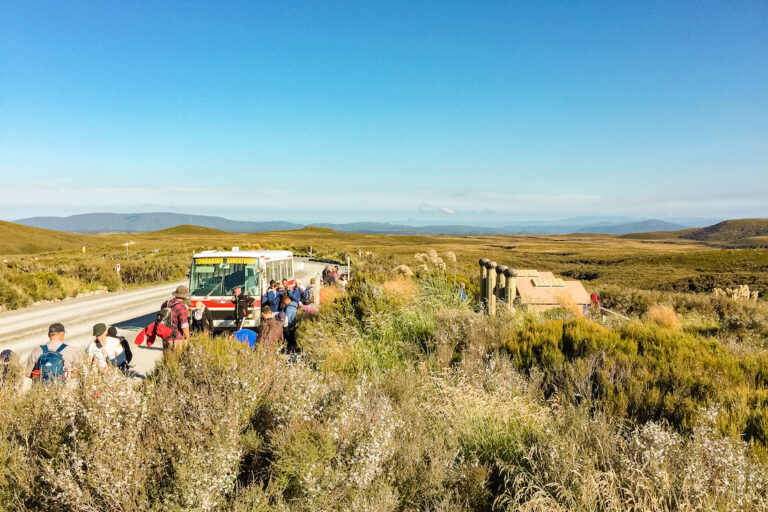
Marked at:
<point>179,319</point>
<point>104,351</point>
<point>70,356</point>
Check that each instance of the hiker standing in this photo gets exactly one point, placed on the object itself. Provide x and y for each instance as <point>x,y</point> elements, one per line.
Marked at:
<point>242,304</point>
<point>273,296</point>
<point>270,330</point>
<point>289,322</point>
<point>462,292</point>
<point>105,351</point>
<point>179,320</point>
<point>5,360</point>
<point>200,319</point>
<point>54,361</point>
<point>326,275</point>
<point>308,296</point>
<point>297,292</point>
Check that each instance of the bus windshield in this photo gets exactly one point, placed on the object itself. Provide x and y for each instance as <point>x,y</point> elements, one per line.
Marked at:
<point>219,276</point>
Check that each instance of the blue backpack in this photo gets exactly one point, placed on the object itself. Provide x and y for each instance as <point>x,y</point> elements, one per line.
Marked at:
<point>51,365</point>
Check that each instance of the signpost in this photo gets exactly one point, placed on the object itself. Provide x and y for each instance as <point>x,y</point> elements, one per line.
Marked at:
<point>117,267</point>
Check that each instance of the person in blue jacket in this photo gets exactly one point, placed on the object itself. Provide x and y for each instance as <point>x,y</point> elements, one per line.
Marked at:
<point>289,322</point>
<point>272,296</point>
<point>296,292</point>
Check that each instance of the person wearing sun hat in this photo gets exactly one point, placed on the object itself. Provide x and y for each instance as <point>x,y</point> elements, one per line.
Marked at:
<point>179,319</point>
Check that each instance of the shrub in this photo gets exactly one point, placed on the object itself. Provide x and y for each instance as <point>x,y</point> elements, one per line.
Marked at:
<point>663,316</point>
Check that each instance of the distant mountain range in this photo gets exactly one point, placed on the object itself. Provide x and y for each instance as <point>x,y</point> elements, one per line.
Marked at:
<point>93,223</point>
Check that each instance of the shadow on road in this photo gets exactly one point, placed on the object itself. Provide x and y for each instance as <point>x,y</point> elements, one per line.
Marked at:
<point>138,323</point>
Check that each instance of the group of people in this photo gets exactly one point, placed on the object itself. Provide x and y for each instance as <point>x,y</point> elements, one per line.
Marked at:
<point>174,323</point>
<point>331,276</point>
<point>279,305</point>
<point>56,361</point>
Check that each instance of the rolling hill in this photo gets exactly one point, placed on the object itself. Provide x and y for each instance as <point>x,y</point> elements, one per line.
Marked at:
<point>736,233</point>
<point>151,222</point>
<point>18,239</point>
<point>146,222</point>
<point>730,231</point>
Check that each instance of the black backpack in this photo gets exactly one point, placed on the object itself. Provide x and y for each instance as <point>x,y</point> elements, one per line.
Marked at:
<point>165,315</point>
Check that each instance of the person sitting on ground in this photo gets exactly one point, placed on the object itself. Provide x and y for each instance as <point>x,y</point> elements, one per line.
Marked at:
<point>54,361</point>
<point>246,336</point>
<point>114,332</point>
<point>104,352</point>
<point>200,320</point>
<point>270,330</point>
<point>242,303</point>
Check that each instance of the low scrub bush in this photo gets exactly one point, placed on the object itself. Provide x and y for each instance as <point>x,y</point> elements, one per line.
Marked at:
<point>404,399</point>
<point>663,316</point>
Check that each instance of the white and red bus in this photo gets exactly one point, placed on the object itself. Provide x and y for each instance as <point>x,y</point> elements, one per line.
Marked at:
<point>215,274</point>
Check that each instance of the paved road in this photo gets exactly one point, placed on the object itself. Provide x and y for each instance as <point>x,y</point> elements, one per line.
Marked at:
<point>22,330</point>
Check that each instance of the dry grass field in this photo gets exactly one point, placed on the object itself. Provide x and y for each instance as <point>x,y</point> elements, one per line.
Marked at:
<point>405,398</point>
<point>673,264</point>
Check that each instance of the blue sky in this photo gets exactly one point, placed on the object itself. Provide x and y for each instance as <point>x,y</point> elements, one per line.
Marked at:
<point>450,112</point>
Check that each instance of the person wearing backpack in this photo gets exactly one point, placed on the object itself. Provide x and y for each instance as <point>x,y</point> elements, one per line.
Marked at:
<point>114,332</point>
<point>173,314</point>
<point>53,362</point>
<point>308,295</point>
<point>288,318</point>
<point>105,351</point>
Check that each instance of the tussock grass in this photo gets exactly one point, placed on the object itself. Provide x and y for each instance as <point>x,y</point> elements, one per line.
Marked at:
<point>405,398</point>
<point>663,316</point>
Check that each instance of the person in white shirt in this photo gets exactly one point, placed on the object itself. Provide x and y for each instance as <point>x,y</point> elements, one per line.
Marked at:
<point>104,351</point>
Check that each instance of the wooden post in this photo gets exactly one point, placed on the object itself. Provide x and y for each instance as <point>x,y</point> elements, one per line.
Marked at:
<point>483,279</point>
<point>491,288</point>
<point>511,288</point>
<point>501,286</point>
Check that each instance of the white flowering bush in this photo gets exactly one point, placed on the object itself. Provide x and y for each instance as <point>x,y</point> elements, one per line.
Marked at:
<point>403,399</point>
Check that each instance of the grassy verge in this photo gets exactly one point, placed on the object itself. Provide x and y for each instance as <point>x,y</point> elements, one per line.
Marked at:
<point>406,399</point>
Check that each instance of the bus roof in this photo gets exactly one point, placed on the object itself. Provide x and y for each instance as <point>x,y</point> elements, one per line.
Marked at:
<point>267,255</point>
